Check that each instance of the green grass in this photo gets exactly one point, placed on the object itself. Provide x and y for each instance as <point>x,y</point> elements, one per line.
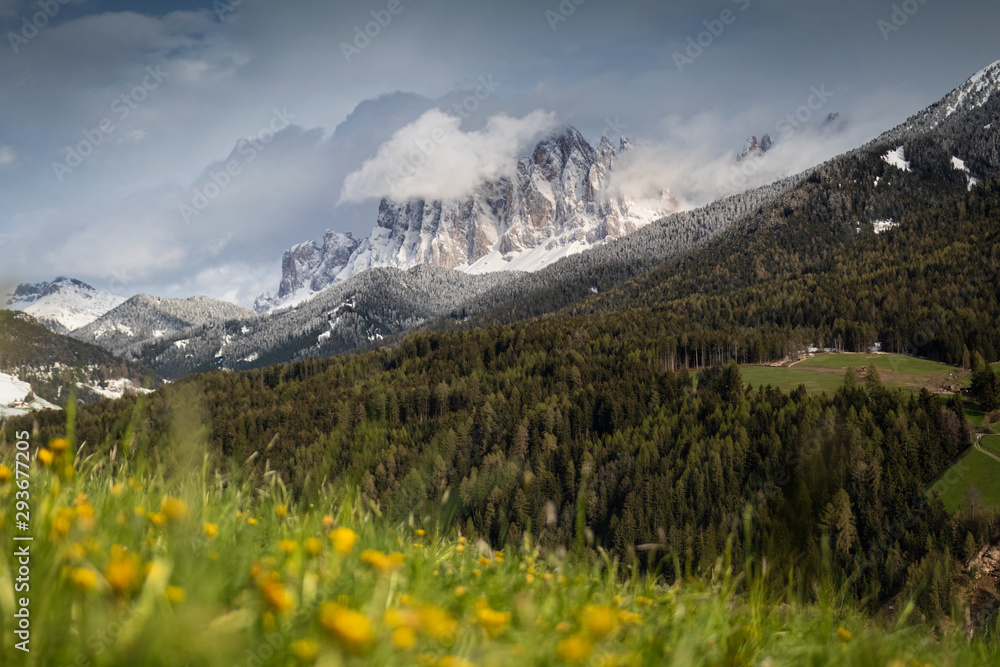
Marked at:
<point>789,379</point>
<point>974,467</point>
<point>825,372</point>
<point>147,569</point>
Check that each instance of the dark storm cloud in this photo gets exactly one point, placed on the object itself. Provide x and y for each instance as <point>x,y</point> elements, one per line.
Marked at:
<point>688,79</point>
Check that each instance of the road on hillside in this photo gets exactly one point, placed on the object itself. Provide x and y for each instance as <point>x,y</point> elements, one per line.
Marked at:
<point>979,446</point>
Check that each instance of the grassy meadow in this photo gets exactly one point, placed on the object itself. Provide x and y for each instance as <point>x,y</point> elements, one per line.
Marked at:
<point>171,564</point>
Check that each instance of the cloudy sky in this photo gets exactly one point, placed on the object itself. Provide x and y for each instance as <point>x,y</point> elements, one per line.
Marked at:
<point>178,147</point>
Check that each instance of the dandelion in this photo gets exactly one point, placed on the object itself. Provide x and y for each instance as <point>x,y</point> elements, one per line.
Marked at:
<point>139,511</point>
<point>460,548</point>
<point>4,474</point>
<point>305,650</point>
<point>643,601</point>
<point>276,596</point>
<point>210,530</point>
<point>45,457</point>
<point>122,571</point>
<point>157,518</point>
<point>59,445</point>
<point>313,547</point>
<point>439,624</point>
<point>629,618</point>
<point>343,540</point>
<point>599,621</point>
<point>421,532</point>
<point>174,594</point>
<point>459,591</point>
<point>287,547</point>
<point>381,562</point>
<point>351,629</point>
<point>454,661</point>
<point>252,521</point>
<point>493,621</point>
<point>404,637</point>
<point>281,511</point>
<point>328,521</point>
<point>173,509</point>
<point>83,579</point>
<point>574,650</point>
<point>117,489</point>
<point>843,633</point>
<point>63,521</point>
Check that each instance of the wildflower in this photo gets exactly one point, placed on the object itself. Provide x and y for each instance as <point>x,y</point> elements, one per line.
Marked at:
<point>122,571</point>
<point>530,578</point>
<point>461,539</point>
<point>574,650</point>
<point>281,511</point>
<point>460,548</point>
<point>629,618</point>
<point>343,540</point>
<point>459,591</point>
<point>439,624</point>
<point>643,601</point>
<point>276,596</point>
<point>381,562</point>
<point>313,547</point>
<point>76,551</point>
<point>351,629</point>
<point>252,521</point>
<point>563,627</point>
<point>210,530</point>
<point>4,474</point>
<point>63,521</point>
<point>404,637</point>
<point>117,489</point>
<point>399,618</point>
<point>58,445</point>
<point>45,457</point>
<point>305,650</point>
<point>174,594</point>
<point>287,547</point>
<point>843,633</point>
<point>494,622</point>
<point>157,518</point>
<point>421,532</point>
<point>139,511</point>
<point>484,561</point>
<point>83,579</point>
<point>174,509</point>
<point>599,621</point>
<point>328,521</point>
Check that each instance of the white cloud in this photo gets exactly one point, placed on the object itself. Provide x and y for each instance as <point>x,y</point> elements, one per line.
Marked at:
<point>432,158</point>
<point>7,156</point>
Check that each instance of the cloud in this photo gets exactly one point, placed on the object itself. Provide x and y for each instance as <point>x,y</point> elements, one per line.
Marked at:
<point>7,156</point>
<point>432,158</point>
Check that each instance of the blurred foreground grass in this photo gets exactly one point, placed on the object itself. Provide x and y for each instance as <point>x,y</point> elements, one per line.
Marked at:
<point>148,560</point>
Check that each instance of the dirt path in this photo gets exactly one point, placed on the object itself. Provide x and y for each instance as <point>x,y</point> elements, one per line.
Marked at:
<point>979,446</point>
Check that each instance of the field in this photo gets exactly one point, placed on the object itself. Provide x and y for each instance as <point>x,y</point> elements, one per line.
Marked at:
<point>974,467</point>
<point>136,568</point>
<point>825,372</point>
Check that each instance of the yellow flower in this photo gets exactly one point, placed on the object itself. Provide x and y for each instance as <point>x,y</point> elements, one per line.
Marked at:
<point>343,540</point>
<point>460,548</point>
<point>328,521</point>
<point>843,633</point>
<point>563,627</point>
<point>139,511</point>
<point>83,579</point>
<point>174,509</point>
<point>287,547</point>
<point>352,630</point>
<point>58,445</point>
<point>574,650</point>
<point>122,570</point>
<point>63,521</point>
<point>45,457</point>
<point>453,661</point>
<point>305,650</point>
<point>313,547</point>
<point>276,596</point>
<point>421,532</point>
<point>404,637</point>
<point>157,518</point>
<point>629,618</point>
<point>281,511</point>
<point>459,591</point>
<point>210,530</point>
<point>493,621</point>
<point>461,539</point>
<point>644,601</point>
<point>381,562</point>
<point>439,624</point>
<point>4,474</point>
<point>174,594</point>
<point>252,521</point>
<point>599,621</point>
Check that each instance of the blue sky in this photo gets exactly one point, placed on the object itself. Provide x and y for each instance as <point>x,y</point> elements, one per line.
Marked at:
<point>261,103</point>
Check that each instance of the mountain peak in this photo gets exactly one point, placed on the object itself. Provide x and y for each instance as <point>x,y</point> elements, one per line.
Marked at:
<point>63,305</point>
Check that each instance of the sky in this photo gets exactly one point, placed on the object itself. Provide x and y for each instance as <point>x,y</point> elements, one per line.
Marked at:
<point>178,148</point>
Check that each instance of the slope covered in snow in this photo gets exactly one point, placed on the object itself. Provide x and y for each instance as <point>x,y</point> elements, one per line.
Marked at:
<point>62,305</point>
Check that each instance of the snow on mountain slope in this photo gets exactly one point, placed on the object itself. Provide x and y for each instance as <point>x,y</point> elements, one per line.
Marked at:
<point>556,204</point>
<point>62,305</point>
<point>12,389</point>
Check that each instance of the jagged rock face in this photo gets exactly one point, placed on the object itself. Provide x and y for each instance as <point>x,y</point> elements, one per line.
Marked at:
<point>556,197</point>
<point>753,146</point>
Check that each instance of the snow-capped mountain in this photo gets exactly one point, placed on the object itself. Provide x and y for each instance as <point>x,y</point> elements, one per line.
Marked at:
<point>558,202</point>
<point>62,305</point>
<point>753,146</point>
